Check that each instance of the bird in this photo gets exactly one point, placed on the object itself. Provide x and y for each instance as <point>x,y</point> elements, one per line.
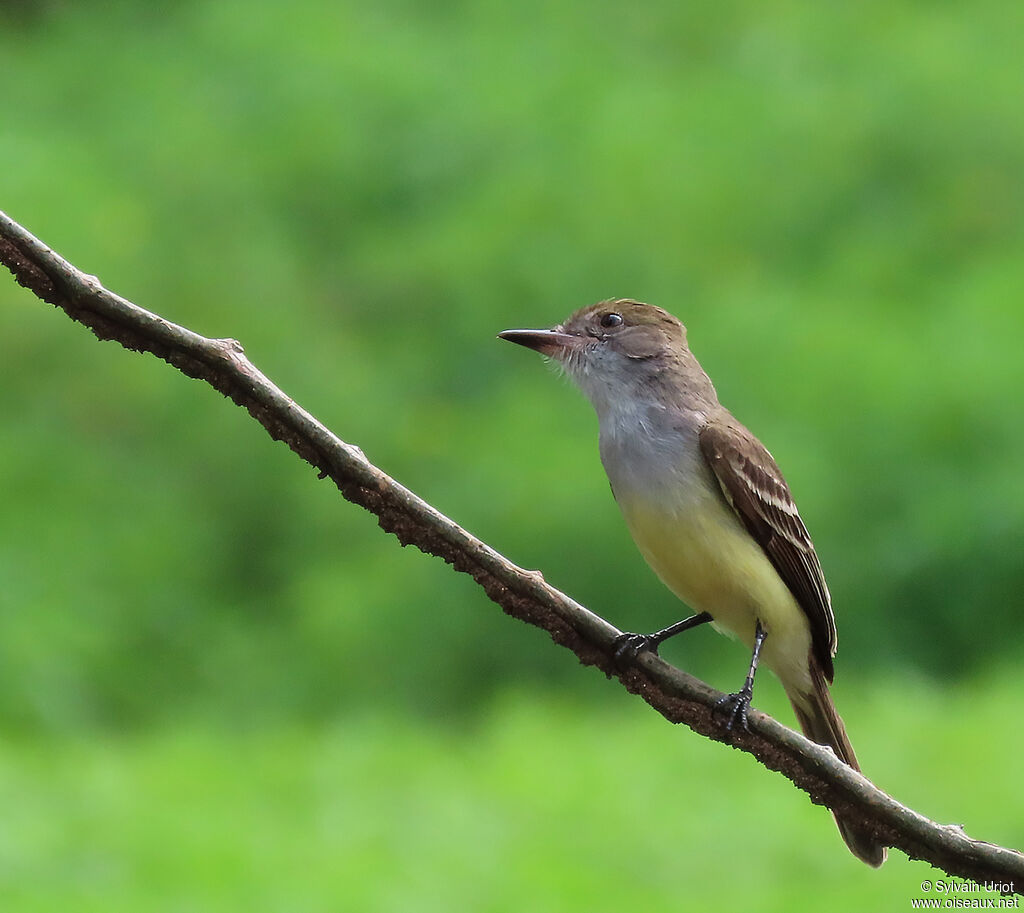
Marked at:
<point>709,510</point>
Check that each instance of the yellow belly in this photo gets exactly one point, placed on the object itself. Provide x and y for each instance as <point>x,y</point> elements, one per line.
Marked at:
<point>704,555</point>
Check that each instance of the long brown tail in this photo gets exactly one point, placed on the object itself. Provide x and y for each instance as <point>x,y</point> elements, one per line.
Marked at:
<point>821,724</point>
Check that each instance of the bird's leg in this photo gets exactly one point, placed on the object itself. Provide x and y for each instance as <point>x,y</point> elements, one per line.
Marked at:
<point>627,646</point>
<point>735,705</point>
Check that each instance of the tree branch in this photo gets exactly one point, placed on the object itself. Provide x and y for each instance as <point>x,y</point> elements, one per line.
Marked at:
<point>679,697</point>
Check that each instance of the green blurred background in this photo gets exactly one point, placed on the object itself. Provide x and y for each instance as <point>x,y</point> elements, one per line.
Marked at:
<point>221,686</point>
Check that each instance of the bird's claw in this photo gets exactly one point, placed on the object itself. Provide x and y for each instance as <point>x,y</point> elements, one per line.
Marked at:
<point>626,647</point>
<point>735,707</point>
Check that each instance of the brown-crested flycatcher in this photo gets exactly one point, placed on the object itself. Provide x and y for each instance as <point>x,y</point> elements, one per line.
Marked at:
<point>708,509</point>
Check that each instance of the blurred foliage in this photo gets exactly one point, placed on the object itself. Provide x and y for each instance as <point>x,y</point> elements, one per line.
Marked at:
<point>385,814</point>
<point>223,686</point>
<point>364,194</point>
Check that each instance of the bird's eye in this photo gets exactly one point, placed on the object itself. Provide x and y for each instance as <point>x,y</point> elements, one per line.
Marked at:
<point>611,320</point>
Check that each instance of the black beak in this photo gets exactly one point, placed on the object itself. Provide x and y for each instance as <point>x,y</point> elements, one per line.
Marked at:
<point>552,343</point>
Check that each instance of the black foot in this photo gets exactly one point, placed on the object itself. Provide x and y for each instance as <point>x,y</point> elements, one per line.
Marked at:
<point>628,646</point>
<point>735,706</point>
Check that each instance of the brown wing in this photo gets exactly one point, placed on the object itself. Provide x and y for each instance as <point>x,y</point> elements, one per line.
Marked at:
<point>756,490</point>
